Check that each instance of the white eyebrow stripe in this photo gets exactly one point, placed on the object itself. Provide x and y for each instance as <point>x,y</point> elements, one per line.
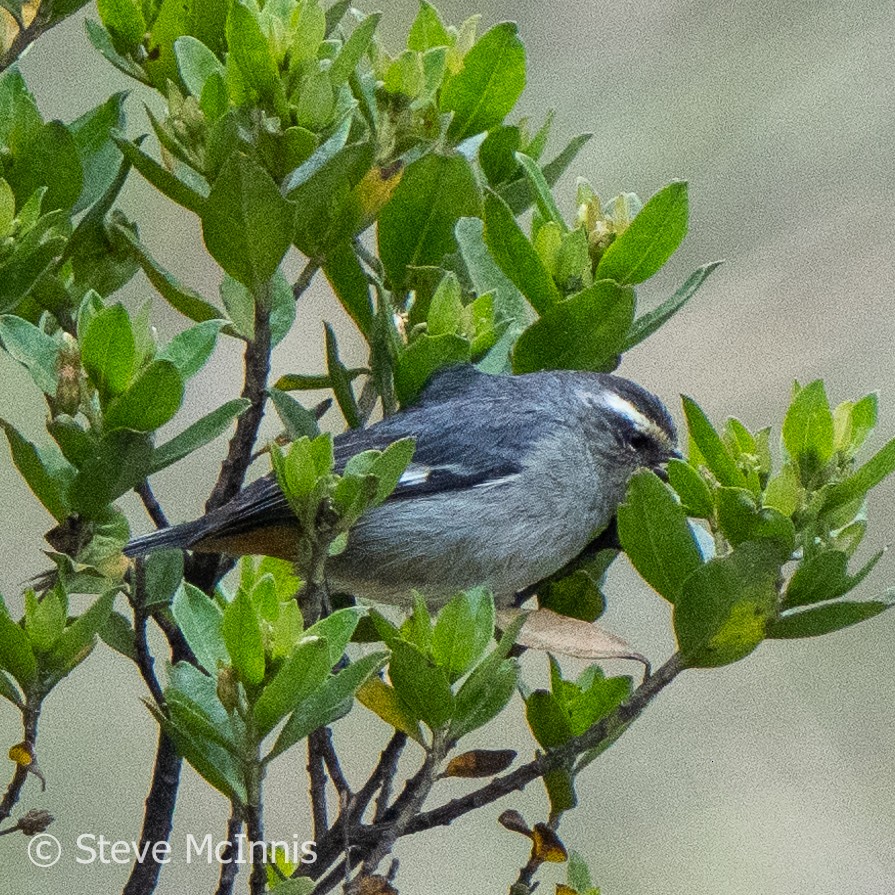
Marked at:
<point>415,475</point>
<point>626,409</point>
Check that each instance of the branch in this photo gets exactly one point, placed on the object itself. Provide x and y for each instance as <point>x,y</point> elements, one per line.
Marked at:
<point>158,817</point>
<point>145,660</point>
<point>40,24</point>
<point>153,507</point>
<point>333,767</point>
<point>30,717</point>
<point>598,735</point>
<point>305,278</point>
<point>203,570</point>
<point>317,777</point>
<point>229,867</point>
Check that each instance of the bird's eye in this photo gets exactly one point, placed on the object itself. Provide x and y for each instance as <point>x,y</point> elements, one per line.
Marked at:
<point>639,442</point>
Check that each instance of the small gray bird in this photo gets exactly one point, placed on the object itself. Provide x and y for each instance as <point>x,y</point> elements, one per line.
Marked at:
<point>512,477</point>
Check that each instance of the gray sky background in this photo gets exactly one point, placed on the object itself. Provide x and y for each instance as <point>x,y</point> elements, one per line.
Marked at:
<point>771,776</point>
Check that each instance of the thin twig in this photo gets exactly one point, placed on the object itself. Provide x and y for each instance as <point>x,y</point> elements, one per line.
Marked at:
<point>153,507</point>
<point>30,717</point>
<point>40,24</point>
<point>365,839</point>
<point>255,830</point>
<point>158,817</point>
<point>145,660</point>
<point>305,278</point>
<point>204,569</point>
<point>331,759</point>
<point>317,778</point>
<point>229,867</point>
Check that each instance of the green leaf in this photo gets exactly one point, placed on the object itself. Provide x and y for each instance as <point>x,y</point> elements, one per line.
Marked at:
<point>353,50</point>
<point>299,676</point>
<point>161,178</point>
<point>825,619</point>
<point>8,690</point>
<point>808,429</point>
<point>516,256</point>
<point>725,606</point>
<point>740,519</point>
<point>124,21</point>
<point>298,420</point>
<point>384,701</point>
<point>33,348</point>
<point>246,223</point>
<point>47,476</point>
<point>416,227</point>
<point>242,635</point>
<point>196,64</point>
<point>390,465</point>
<point>510,308</point>
<point>250,50</point>
<point>164,574</point>
<point>103,43</point>
<point>16,654</point>
<point>576,595</point>
<point>463,631</point>
<point>711,447</point>
<point>349,282</point>
<point>423,357</point>
<point>824,577</point>
<point>341,382</point>
<point>334,15</point>
<point>180,297</point>
<point>51,160</point>
<point>190,350</point>
<point>519,194</point>
<point>654,532</point>
<point>7,208</point>
<point>118,461</point>
<point>118,633</point>
<point>486,88</point>
<point>197,435</point>
<point>650,240</point>
<point>45,618</point>
<point>692,488</point>
<point>327,701</point>
<point>100,157</point>
<point>604,696</point>
<point>336,629</point>
<point>109,352</point>
<point>427,30</point>
<point>78,639</point>
<point>422,685</point>
<point>150,402</point>
<point>866,477</point>
<point>548,720</point>
<point>200,620</point>
<point>584,332</point>
<point>543,197</point>
<point>645,325</point>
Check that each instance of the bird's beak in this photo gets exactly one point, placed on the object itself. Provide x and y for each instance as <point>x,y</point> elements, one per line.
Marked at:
<point>660,470</point>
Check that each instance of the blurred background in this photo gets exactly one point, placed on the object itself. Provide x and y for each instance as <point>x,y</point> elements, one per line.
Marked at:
<point>773,775</point>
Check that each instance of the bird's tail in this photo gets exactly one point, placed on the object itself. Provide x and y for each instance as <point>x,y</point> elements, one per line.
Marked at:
<point>176,537</point>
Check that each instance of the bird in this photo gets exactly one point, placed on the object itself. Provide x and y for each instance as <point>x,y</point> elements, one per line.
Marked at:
<point>512,477</point>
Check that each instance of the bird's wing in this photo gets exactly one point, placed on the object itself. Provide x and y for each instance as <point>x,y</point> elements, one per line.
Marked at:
<point>449,455</point>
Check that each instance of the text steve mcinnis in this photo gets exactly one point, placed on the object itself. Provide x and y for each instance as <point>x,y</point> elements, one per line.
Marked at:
<point>92,848</point>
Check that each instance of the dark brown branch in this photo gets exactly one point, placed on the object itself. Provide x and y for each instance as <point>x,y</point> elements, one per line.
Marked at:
<point>203,570</point>
<point>229,867</point>
<point>255,830</point>
<point>333,767</point>
<point>317,778</point>
<point>598,735</point>
<point>305,278</point>
<point>153,507</point>
<point>40,24</point>
<point>30,717</point>
<point>145,660</point>
<point>158,817</point>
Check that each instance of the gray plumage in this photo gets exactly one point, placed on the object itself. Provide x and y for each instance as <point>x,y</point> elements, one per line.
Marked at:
<point>511,478</point>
